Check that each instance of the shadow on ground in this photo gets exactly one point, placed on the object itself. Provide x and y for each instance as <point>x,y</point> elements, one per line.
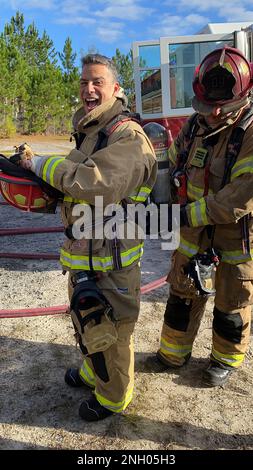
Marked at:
<point>34,394</point>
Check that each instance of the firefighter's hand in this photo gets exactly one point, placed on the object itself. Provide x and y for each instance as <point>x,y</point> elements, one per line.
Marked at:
<point>33,164</point>
<point>181,284</point>
<point>183,218</point>
<point>172,223</point>
<point>29,164</point>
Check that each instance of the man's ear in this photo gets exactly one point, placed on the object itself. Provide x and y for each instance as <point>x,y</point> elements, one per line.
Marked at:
<point>116,88</point>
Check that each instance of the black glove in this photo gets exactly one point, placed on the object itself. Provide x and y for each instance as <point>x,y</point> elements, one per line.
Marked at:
<point>173,222</point>
<point>184,222</point>
<point>16,158</point>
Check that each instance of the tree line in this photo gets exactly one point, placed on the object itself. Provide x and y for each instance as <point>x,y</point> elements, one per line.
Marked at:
<point>39,86</point>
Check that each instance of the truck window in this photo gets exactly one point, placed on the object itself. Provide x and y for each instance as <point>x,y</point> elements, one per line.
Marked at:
<point>151,93</point>
<point>183,59</point>
<point>150,75</point>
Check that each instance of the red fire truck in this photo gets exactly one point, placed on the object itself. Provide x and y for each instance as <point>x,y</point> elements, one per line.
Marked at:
<point>164,68</point>
<point>163,73</point>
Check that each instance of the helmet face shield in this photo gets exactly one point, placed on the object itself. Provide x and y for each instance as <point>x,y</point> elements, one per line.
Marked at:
<point>202,108</point>
<point>223,77</point>
<point>225,108</point>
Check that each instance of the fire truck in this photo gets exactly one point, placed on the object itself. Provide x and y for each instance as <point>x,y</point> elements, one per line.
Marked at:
<point>163,73</point>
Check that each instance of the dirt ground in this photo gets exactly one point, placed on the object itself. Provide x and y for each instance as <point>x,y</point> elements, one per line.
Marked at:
<point>41,144</point>
<point>170,410</point>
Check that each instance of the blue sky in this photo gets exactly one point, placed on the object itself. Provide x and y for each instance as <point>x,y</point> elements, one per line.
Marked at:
<point>109,24</point>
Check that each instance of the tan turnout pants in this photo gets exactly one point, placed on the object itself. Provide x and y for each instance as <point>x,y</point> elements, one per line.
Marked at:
<point>111,373</point>
<point>231,320</point>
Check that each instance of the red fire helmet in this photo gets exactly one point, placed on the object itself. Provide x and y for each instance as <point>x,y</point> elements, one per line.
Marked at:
<point>224,76</point>
<point>23,193</point>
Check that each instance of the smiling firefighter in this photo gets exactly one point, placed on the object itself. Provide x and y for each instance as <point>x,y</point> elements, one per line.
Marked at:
<point>114,160</point>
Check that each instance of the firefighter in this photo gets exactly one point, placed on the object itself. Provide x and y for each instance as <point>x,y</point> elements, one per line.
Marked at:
<point>115,160</point>
<point>212,167</point>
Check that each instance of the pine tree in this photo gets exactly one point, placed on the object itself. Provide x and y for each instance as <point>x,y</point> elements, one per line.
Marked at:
<point>39,87</point>
<point>71,77</point>
<point>124,65</point>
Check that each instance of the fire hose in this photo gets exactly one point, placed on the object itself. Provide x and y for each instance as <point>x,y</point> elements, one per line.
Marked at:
<point>27,231</point>
<point>64,309</point>
<point>58,309</point>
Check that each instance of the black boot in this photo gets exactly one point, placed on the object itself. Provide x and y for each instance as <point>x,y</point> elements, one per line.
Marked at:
<point>91,410</point>
<point>216,374</point>
<point>73,379</point>
<point>157,363</point>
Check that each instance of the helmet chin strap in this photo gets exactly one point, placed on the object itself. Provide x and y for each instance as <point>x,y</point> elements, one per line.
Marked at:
<point>208,130</point>
<point>236,112</point>
<point>212,131</point>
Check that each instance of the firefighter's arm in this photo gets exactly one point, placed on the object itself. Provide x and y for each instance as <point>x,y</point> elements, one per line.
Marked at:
<point>234,200</point>
<point>227,206</point>
<point>113,172</point>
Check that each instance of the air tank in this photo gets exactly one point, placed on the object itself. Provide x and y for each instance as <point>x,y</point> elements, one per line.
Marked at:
<point>159,138</point>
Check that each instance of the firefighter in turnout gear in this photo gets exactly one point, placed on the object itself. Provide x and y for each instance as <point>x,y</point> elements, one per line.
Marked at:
<point>115,161</point>
<point>212,165</point>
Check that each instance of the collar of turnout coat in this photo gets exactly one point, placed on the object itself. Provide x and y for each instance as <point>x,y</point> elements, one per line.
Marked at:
<point>102,114</point>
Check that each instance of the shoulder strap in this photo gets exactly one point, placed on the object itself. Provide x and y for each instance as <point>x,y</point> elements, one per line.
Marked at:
<point>103,136</point>
<point>235,143</point>
<point>106,131</point>
<point>193,127</point>
<point>188,141</point>
<point>79,138</point>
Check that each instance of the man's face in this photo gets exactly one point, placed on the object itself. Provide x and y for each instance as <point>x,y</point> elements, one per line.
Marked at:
<point>97,85</point>
<point>215,118</point>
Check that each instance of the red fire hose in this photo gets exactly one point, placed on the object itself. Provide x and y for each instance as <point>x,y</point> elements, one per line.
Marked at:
<point>30,256</point>
<point>64,309</point>
<point>34,312</point>
<point>59,309</point>
<point>27,230</point>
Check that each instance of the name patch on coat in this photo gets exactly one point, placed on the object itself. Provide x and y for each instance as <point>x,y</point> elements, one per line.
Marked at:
<point>199,157</point>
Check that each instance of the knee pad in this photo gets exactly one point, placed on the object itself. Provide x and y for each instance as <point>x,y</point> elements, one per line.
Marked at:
<point>228,325</point>
<point>177,313</point>
<point>92,315</point>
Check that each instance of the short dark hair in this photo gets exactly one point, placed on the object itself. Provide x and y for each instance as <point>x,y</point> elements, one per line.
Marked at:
<point>103,60</point>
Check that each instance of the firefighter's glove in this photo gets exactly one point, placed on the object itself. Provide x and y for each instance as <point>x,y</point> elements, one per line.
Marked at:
<point>34,164</point>
<point>22,153</point>
<point>173,222</point>
<point>181,284</point>
<point>183,217</point>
